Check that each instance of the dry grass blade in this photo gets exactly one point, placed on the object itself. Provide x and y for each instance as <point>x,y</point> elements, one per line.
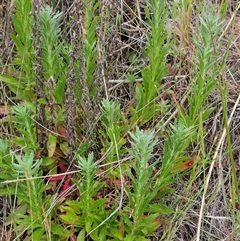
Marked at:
<point>214,159</point>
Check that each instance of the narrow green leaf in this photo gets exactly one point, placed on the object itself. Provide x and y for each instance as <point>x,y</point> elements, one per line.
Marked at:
<point>61,231</point>
<point>81,235</point>
<point>12,82</point>
<point>51,144</point>
<point>159,208</point>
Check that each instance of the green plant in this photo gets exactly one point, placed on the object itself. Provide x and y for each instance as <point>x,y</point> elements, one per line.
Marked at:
<point>114,130</point>
<point>90,49</point>
<point>140,216</point>
<point>148,186</point>
<point>87,213</point>
<point>207,65</point>
<point>204,81</point>
<point>23,40</point>
<point>158,45</point>
<point>20,75</point>
<point>174,156</point>
<point>24,123</point>
<point>223,7</point>
<point>142,191</point>
<point>28,191</point>
<point>32,215</point>
<point>7,167</point>
<point>55,57</point>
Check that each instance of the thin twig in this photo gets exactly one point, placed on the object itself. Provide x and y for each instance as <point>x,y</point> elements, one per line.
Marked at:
<point>117,81</point>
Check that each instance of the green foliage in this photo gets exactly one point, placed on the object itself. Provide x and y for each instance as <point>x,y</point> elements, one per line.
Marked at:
<point>21,82</point>
<point>90,50</point>
<point>22,178</point>
<point>23,39</point>
<point>158,46</point>
<point>114,130</point>
<point>142,191</point>
<point>208,66</point>
<point>50,34</point>
<point>86,213</point>
<point>23,120</point>
<point>29,190</point>
<point>17,84</point>
<point>223,7</point>
<point>7,167</point>
<point>55,57</point>
<point>28,168</point>
<point>175,146</point>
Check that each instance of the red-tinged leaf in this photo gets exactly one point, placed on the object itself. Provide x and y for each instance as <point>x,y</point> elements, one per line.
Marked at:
<point>100,172</point>
<point>184,164</point>
<point>66,184</point>
<point>62,167</point>
<point>73,238</point>
<point>39,154</point>
<point>229,234</point>
<point>121,227</point>
<point>5,110</point>
<point>61,130</point>
<point>156,220</point>
<point>159,221</point>
<point>166,93</point>
<point>172,70</point>
<point>5,70</point>
<point>237,205</point>
<point>108,203</point>
<point>58,177</point>
<point>118,183</point>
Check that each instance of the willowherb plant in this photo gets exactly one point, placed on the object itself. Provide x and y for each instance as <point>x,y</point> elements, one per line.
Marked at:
<point>28,192</point>
<point>174,159</point>
<point>208,65</point>
<point>158,45</point>
<point>34,214</point>
<point>141,193</point>
<point>90,51</point>
<point>23,120</point>
<point>23,39</point>
<point>20,75</point>
<point>147,185</point>
<point>114,130</point>
<point>106,207</point>
<point>54,57</point>
<point>6,169</point>
<point>88,212</point>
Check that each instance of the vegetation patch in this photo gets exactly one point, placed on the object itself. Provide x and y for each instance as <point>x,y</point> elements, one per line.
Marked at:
<point>119,120</point>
